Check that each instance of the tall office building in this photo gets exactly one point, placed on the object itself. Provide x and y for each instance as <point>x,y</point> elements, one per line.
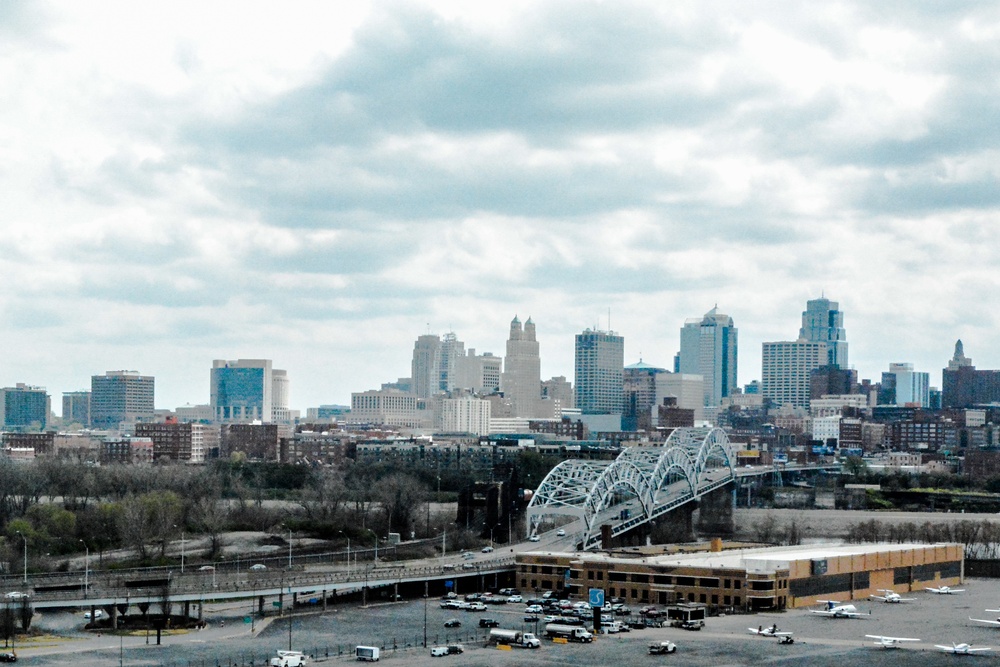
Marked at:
<point>786,370</point>
<point>76,407</point>
<point>962,386</point>
<point>904,386</point>
<point>823,322</point>
<point>639,383</point>
<point>23,406</point>
<point>423,368</point>
<point>248,390</point>
<point>121,397</point>
<point>600,368</point>
<point>708,349</point>
<point>478,373</point>
<point>521,381</point>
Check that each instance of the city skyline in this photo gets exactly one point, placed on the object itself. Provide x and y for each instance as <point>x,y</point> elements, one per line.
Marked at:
<point>318,184</point>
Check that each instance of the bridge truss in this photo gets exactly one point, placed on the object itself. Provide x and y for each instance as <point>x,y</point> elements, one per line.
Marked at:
<point>641,484</point>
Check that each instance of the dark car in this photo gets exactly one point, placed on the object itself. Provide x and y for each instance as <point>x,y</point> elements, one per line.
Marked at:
<point>453,623</point>
<point>455,648</point>
<point>8,657</point>
<point>489,623</point>
<point>531,619</point>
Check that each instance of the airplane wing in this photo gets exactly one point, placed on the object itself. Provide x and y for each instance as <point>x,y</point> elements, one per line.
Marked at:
<point>782,634</point>
<point>880,597</point>
<point>985,620</point>
<point>906,599</point>
<point>883,638</point>
<point>822,612</point>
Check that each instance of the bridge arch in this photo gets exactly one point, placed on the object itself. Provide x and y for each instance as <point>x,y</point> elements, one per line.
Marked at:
<point>659,477</point>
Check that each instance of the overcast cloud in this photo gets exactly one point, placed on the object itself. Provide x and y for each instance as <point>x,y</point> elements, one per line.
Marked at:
<point>320,185</point>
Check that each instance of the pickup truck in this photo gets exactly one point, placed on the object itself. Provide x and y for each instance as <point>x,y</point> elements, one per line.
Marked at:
<point>688,625</point>
<point>662,647</point>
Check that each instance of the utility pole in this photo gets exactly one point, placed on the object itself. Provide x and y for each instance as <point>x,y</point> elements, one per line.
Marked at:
<point>425,613</point>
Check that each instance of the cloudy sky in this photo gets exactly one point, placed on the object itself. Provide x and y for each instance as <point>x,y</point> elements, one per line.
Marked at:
<point>320,183</point>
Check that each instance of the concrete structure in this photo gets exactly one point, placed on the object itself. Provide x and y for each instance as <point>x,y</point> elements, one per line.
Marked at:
<point>76,407</point>
<point>747,579</point>
<point>385,407</point>
<point>465,415</point>
<point>120,398</point>
<point>248,390</point>
<point>709,349</point>
<point>559,389</point>
<point>686,389</point>
<point>479,374</point>
<point>423,367</point>
<point>640,396</point>
<point>904,386</point>
<point>521,381</point>
<point>823,322</point>
<point>23,406</point>
<point>786,370</point>
<point>600,366</point>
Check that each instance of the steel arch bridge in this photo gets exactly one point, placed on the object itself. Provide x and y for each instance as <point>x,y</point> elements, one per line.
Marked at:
<point>641,484</point>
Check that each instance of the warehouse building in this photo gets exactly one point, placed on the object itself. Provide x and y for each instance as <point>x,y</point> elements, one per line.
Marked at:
<point>754,579</point>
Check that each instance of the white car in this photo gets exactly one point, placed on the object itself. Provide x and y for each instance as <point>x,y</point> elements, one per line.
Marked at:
<point>477,606</point>
<point>515,598</point>
<point>534,538</point>
<point>561,532</point>
<point>533,609</point>
<point>550,619</point>
<point>97,614</point>
<point>16,595</point>
<point>258,567</point>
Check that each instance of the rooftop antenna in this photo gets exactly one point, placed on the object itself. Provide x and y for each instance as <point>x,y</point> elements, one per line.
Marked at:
<point>609,320</point>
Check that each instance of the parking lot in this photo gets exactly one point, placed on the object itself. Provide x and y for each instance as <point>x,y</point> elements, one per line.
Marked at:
<point>399,629</point>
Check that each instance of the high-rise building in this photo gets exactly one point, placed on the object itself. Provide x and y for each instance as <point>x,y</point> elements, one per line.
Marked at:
<point>76,407</point>
<point>465,415</point>
<point>121,397</point>
<point>23,406</point>
<point>786,370</point>
<point>424,365</point>
<point>962,386</point>
<point>639,383</point>
<point>248,390</point>
<point>600,368</point>
<point>681,391</point>
<point>180,442</point>
<point>904,387</point>
<point>709,349</point>
<point>385,407</point>
<point>450,354</point>
<point>560,390</point>
<point>521,381</point>
<point>823,322</point>
<point>479,374</point>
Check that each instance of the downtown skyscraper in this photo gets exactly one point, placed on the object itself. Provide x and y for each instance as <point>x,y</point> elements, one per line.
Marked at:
<point>521,381</point>
<point>823,322</point>
<point>600,370</point>
<point>709,349</point>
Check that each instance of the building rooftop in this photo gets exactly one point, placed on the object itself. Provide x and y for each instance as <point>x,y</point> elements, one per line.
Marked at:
<point>759,559</point>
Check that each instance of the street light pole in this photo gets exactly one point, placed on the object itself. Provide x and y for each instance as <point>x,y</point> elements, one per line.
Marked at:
<point>86,569</point>
<point>25,538</point>
<point>182,552</point>
<point>289,553</point>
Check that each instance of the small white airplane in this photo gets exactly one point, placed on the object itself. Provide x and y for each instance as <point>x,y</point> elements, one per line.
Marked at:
<point>945,590</point>
<point>891,596</point>
<point>986,620</point>
<point>769,632</point>
<point>890,642</point>
<point>962,649</point>
<point>836,610</point>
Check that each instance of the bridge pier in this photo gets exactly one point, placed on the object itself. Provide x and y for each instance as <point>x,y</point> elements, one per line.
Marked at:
<point>187,610</point>
<point>324,600</point>
<point>201,612</point>
<point>113,612</point>
<point>260,604</point>
<point>715,514</point>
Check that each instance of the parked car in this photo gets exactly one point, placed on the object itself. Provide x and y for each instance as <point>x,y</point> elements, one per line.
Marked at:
<point>477,606</point>
<point>455,648</point>
<point>561,532</point>
<point>17,595</point>
<point>97,614</point>
<point>453,623</point>
<point>438,651</point>
<point>8,657</point>
<point>533,609</point>
<point>489,623</point>
<point>530,619</point>
<point>515,598</point>
<point>258,567</point>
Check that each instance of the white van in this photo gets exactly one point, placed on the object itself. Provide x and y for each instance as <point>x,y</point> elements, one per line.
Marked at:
<point>610,627</point>
<point>366,653</point>
<point>438,651</point>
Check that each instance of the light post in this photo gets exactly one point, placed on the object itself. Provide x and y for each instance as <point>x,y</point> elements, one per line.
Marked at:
<point>348,552</point>
<point>289,554</point>
<point>182,549</point>
<point>86,569</point>
<point>25,538</point>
